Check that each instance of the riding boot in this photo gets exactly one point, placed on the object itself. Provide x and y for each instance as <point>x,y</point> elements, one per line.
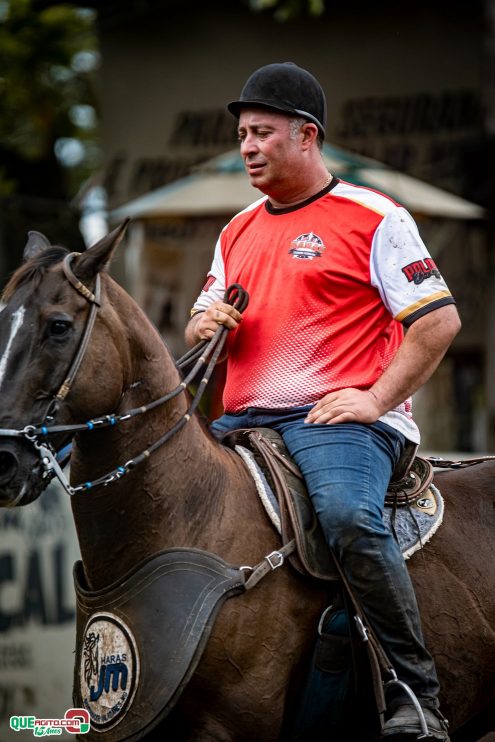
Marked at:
<point>405,726</point>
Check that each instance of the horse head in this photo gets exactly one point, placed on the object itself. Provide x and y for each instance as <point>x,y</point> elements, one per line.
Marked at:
<point>43,338</point>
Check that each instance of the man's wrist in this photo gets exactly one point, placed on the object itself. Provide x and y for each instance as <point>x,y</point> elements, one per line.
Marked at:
<point>192,337</point>
<point>370,391</point>
<point>376,399</point>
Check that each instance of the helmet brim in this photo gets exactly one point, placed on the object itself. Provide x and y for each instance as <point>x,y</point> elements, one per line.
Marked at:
<point>236,106</point>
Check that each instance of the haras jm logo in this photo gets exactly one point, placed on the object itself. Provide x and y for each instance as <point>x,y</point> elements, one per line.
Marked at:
<point>109,669</point>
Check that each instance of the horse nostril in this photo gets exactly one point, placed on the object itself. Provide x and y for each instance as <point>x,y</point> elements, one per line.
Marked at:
<point>8,466</point>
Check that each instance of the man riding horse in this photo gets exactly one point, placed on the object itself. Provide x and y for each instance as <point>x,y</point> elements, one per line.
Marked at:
<point>335,273</point>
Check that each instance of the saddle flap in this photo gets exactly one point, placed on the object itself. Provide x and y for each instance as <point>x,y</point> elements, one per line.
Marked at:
<point>297,515</point>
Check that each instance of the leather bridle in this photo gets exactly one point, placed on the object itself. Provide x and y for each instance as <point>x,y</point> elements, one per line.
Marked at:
<point>94,301</point>
<point>205,354</point>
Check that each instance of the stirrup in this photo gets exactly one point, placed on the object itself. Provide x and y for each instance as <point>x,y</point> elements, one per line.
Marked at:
<point>425,733</point>
<point>414,700</point>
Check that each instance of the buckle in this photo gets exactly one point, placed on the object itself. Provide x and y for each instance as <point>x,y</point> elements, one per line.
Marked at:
<point>275,559</point>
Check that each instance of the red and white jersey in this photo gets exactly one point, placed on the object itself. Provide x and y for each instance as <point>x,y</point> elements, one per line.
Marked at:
<point>331,283</point>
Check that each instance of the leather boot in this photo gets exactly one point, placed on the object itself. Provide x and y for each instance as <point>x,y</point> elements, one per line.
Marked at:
<point>404,726</point>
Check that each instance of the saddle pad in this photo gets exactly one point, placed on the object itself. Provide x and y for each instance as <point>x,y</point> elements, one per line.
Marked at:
<point>139,641</point>
<point>412,525</point>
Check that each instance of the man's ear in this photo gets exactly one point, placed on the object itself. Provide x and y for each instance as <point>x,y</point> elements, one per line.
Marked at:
<point>310,134</point>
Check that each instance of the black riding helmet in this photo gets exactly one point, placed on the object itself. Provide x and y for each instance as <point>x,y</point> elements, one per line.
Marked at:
<point>284,87</point>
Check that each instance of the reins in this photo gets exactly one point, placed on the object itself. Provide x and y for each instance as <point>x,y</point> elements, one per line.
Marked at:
<point>205,354</point>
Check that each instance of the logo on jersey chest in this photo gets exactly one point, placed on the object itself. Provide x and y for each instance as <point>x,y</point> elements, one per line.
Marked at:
<point>307,246</point>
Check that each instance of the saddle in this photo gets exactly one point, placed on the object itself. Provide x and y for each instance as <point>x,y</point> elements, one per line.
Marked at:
<point>410,482</point>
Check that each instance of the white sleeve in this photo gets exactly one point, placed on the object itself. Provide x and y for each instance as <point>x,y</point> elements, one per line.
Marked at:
<point>214,288</point>
<point>403,271</point>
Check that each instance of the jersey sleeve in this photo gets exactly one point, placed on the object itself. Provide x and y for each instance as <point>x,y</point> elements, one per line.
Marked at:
<point>403,271</point>
<point>214,288</point>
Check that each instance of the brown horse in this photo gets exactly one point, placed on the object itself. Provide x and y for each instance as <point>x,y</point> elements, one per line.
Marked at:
<point>193,492</point>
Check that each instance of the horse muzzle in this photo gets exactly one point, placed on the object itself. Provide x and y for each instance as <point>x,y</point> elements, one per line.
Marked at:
<point>22,477</point>
<point>9,466</point>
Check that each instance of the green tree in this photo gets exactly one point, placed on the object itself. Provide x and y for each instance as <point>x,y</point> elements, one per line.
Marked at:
<point>286,10</point>
<point>48,121</point>
<point>48,135</point>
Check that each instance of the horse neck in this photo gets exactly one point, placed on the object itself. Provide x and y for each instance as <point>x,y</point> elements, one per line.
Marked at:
<point>175,497</point>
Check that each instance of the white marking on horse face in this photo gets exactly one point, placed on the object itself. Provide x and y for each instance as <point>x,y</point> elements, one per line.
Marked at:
<point>17,320</point>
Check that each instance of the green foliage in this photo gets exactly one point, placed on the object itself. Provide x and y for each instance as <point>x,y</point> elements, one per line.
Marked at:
<point>286,10</point>
<point>45,77</point>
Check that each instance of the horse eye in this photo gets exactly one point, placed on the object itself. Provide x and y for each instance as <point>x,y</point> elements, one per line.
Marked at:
<point>59,327</point>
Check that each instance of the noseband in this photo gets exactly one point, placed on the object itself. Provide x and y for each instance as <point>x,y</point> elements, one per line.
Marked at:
<point>206,353</point>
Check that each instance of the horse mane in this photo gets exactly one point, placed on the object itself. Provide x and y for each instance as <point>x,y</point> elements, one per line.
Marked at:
<point>33,270</point>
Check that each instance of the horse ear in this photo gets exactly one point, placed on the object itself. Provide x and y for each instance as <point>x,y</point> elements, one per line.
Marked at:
<point>97,257</point>
<point>36,243</point>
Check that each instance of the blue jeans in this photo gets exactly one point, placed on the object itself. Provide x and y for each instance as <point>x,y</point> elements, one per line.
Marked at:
<point>347,468</point>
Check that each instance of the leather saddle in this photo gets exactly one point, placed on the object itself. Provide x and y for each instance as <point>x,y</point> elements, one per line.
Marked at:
<point>298,519</point>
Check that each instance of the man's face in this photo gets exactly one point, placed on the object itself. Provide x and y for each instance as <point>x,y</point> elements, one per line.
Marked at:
<point>271,155</point>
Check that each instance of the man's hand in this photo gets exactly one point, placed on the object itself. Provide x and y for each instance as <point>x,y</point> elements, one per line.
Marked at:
<point>204,324</point>
<point>346,406</point>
